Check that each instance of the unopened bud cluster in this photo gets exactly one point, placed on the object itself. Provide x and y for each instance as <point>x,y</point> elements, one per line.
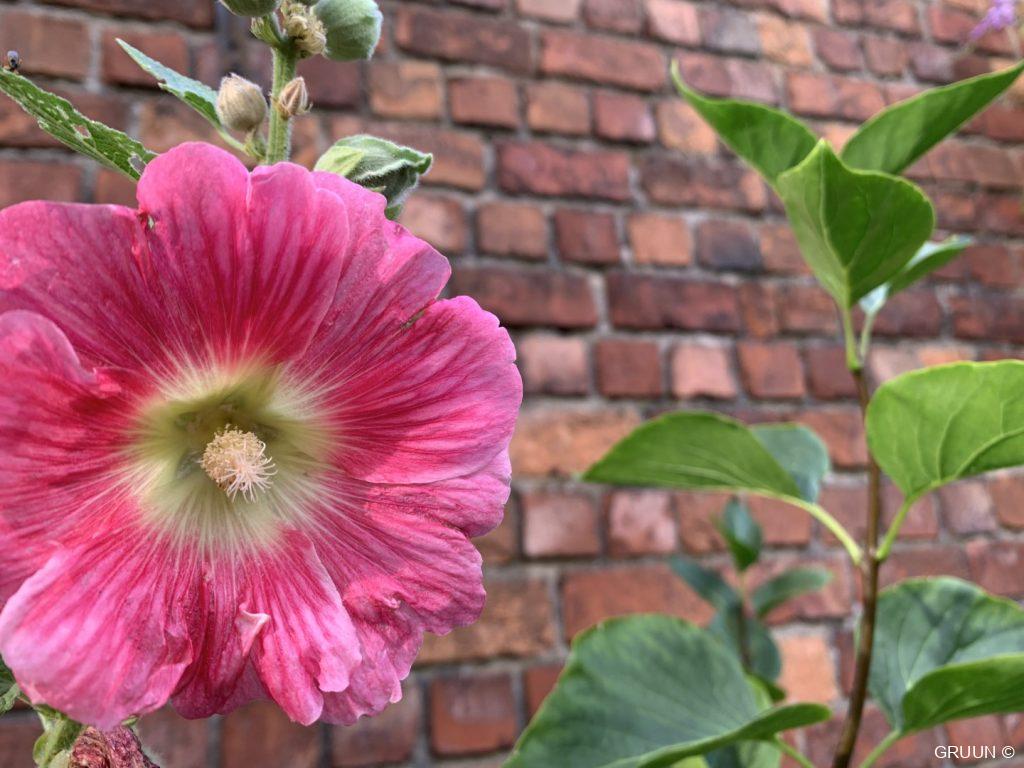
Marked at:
<point>305,29</point>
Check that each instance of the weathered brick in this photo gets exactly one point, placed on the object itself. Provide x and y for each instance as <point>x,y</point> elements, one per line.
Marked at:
<point>586,237</point>
<point>779,250</point>
<point>501,545</point>
<point>25,180</point>
<point>482,100</point>
<point>195,13</point>
<point>680,127</point>
<point>997,566</point>
<point>438,220</point>
<point>623,117</point>
<point>697,514</point>
<point>968,507</point>
<point>537,684</point>
<point>565,442</point>
<point>807,309</point>
<point>674,21</point>
<point>771,371</point>
<point>827,375</point>
<point>590,596</point>
<point>628,368</point>
<point>784,41</point>
<point>550,10</point>
<point>843,432</point>
<point>512,229</point>
<point>405,89</point>
<point>261,733</point>
<point>728,245</point>
<point>821,95</point>
<point>783,524</point>
<point>626,16</point>
<point>929,62</point>
<point>48,45</point>
<point>554,365</point>
<point>728,30</point>
<point>332,83</point>
<point>169,48</point>
<point>659,239</point>
<point>557,108</point>
<point>641,523</point>
<point>737,78</point>
<point>542,169</point>
<point>18,734</point>
<point>885,56</point>
<point>387,738</point>
<point>560,299</point>
<point>1007,497</point>
<point>560,524</point>
<point>840,50</point>
<point>808,672</point>
<point>914,312</point>
<point>702,370</point>
<point>646,301</point>
<point>602,59</point>
<point>462,37</point>
<point>19,129</point>
<point>702,182</point>
<point>174,741</point>
<point>472,715</point>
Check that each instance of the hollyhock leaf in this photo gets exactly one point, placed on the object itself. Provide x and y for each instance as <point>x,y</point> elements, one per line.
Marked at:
<point>929,257</point>
<point>900,134</point>
<point>60,119</point>
<point>786,586</point>
<point>694,450</point>
<point>742,534</point>
<point>763,654</point>
<point>856,229</point>
<point>946,650</point>
<point>933,426</point>
<point>800,452</point>
<point>769,139</point>
<point>379,165</point>
<point>705,582</point>
<point>625,700</point>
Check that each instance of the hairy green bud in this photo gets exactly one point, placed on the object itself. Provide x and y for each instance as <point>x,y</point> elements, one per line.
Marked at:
<point>240,104</point>
<point>251,8</point>
<point>352,27</point>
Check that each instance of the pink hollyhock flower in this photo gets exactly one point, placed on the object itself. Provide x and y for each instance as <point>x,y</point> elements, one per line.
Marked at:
<point>242,445</point>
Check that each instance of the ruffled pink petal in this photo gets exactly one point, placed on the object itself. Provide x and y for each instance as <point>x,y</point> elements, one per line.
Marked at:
<point>57,423</point>
<point>309,645</point>
<point>101,631</point>
<point>435,401</point>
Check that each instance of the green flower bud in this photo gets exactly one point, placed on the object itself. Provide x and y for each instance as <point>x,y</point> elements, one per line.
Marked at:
<point>240,104</point>
<point>352,26</point>
<point>251,7</point>
<point>294,99</point>
<point>379,165</point>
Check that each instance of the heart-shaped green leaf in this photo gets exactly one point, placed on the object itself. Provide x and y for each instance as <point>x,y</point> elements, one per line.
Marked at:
<point>933,426</point>
<point>929,257</point>
<point>898,135</point>
<point>61,120</point>
<point>787,586</point>
<point>800,452</point>
<point>856,229</point>
<point>647,692</point>
<point>770,140</point>
<point>945,650</point>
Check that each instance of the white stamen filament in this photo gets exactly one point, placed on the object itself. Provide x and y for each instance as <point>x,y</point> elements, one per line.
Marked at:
<point>238,463</point>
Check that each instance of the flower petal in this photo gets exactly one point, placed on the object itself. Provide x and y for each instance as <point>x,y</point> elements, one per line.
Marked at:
<point>436,401</point>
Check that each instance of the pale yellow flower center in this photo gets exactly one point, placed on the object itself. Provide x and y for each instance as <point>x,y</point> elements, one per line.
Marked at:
<point>237,461</point>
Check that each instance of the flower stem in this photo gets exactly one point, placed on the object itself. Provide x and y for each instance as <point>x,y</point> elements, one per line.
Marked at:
<point>279,140</point>
<point>869,590</point>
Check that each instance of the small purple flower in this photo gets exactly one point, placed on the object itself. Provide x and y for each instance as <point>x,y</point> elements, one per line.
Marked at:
<point>1001,14</point>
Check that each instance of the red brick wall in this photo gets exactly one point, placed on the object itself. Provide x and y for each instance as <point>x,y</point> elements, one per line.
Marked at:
<point>640,267</point>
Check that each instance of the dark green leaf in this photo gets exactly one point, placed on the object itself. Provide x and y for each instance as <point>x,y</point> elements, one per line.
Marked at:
<point>770,140</point>
<point>786,586</point>
<point>762,655</point>
<point>929,257</point>
<point>856,229</point>
<point>705,582</point>
<point>945,650</point>
<point>742,534</point>
<point>9,690</point>
<point>61,120</point>
<point>936,425</point>
<point>694,450</point>
<point>898,135</point>
<point>646,692</point>
<point>750,754</point>
<point>800,452</point>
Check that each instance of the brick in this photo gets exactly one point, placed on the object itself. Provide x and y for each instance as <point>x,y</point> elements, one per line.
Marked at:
<point>728,30</point>
<point>771,371</point>
<point>486,101</point>
<point>674,21</point>
<point>195,13</point>
<point>915,751</point>
<point>974,735</point>
<point>997,566</point>
<point>538,682</point>
<point>591,596</point>
<point>922,520</point>
<point>586,237</point>
<point>649,302</point>
<point>968,507</point>
<point>550,10</point>
<point>463,38</point>
<point>913,312</point>
<point>807,309</point>
<point>736,78</point>
<point>48,45</point>
<point>659,239</point>
<point>174,741</point>
<point>838,49</point>
<point>19,129</point>
<point>843,432</point>
<point>114,188</point>
<point>557,108</point>
<point>541,169</point>
<point>702,370</point>
<point>929,62</point>
<point>930,560</point>
<point>605,60</point>
<point>560,524</point>
<point>994,265</point>
<point>332,83</point>
<point>458,156</point>
<point>405,89</point>
<point>628,368</point>
<point>501,545</point>
<point>566,442</point>
<point>517,621</point>
<point>1007,494</point>
<point>512,229</point>
<point>897,15</point>
<point>680,127</point>
<point>728,245</point>
<point>886,57</point>
<point>387,738</point>
<point>641,523</point>
<point>820,95</point>
<point>784,41</point>
<point>808,672</point>
<point>18,734</point>
<point>165,123</point>
<point>438,220</point>
<point>827,375</point>
<point>472,715</point>
<point>784,525</point>
<point>780,252</point>
<point>168,48</point>
<point>554,365</point>
<point>261,734</point>
<point>29,180</point>
<point>759,309</point>
<point>833,601</point>
<point>623,117</point>
<point>702,182</point>
<point>697,513</point>
<point>626,16</point>
<point>559,299</point>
